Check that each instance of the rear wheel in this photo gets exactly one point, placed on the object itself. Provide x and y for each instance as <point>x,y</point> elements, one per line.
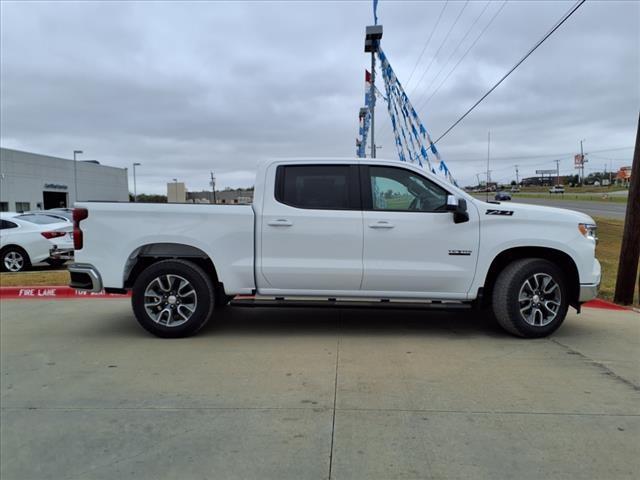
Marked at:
<point>14,259</point>
<point>530,298</point>
<point>173,298</point>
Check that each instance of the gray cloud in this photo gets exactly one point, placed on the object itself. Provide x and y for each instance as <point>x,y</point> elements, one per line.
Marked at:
<point>184,88</point>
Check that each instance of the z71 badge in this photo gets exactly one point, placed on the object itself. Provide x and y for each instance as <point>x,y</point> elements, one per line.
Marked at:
<point>508,213</point>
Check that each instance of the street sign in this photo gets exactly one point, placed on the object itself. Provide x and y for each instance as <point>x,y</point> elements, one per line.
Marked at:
<point>546,172</point>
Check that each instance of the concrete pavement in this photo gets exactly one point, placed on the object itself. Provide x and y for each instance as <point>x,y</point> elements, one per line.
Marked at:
<point>315,393</point>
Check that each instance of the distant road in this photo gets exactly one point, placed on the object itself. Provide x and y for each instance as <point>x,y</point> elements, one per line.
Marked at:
<point>592,208</point>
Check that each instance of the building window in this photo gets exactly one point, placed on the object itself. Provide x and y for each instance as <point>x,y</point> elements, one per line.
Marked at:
<point>4,206</point>
<point>22,207</point>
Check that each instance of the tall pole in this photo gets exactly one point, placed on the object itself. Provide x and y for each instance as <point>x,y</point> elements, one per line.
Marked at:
<point>372,96</point>
<point>213,187</point>
<point>557,172</point>
<point>582,163</point>
<point>517,178</point>
<point>488,157</point>
<point>135,188</point>
<point>75,174</point>
<point>630,248</point>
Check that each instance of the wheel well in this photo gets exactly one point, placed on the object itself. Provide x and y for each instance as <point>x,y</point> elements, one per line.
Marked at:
<point>561,259</point>
<point>16,247</point>
<point>147,255</point>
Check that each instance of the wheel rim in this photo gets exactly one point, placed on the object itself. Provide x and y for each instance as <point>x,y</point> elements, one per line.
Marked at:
<point>539,300</point>
<point>170,300</point>
<point>13,261</point>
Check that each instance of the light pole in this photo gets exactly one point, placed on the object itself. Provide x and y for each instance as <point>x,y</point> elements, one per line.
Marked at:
<point>135,190</point>
<point>175,189</point>
<point>75,174</point>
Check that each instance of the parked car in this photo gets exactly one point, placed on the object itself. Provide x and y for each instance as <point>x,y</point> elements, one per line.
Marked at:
<point>502,196</point>
<point>24,242</point>
<point>515,189</point>
<point>62,244</point>
<point>557,189</point>
<point>325,230</point>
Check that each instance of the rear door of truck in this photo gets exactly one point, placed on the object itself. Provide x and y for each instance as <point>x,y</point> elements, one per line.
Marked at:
<point>311,229</point>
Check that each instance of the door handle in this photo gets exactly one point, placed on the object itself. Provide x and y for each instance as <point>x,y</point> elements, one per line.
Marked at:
<point>281,222</point>
<point>381,224</point>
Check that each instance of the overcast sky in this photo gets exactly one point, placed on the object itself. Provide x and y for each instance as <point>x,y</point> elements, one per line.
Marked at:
<point>185,88</point>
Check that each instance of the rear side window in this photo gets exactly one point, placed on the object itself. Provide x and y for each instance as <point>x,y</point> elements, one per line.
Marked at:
<point>323,187</point>
<point>4,224</point>
<point>40,219</point>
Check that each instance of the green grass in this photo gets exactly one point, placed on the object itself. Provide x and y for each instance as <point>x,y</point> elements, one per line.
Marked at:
<point>608,252</point>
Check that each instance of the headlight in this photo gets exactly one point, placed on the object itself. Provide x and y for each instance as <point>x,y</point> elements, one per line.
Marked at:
<point>589,230</point>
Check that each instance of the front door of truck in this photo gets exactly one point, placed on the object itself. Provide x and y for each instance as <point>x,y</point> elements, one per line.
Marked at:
<point>411,244</point>
<point>311,230</point>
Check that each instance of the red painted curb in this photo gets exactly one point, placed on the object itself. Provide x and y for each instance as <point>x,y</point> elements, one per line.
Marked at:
<point>604,304</point>
<point>47,292</point>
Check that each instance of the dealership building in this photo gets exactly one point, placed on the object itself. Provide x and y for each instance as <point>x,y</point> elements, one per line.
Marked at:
<point>29,181</point>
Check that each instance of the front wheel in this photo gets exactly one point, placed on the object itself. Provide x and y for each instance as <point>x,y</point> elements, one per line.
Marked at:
<point>530,298</point>
<point>173,298</point>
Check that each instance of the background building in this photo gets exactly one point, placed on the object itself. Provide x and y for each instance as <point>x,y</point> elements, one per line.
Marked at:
<point>176,192</point>
<point>228,196</point>
<point>29,181</point>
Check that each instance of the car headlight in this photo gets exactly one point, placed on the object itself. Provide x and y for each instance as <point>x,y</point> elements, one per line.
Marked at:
<point>589,230</point>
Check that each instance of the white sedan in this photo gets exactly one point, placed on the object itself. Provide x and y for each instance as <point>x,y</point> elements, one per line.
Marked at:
<point>25,241</point>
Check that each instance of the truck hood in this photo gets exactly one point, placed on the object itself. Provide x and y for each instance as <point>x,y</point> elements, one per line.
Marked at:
<point>533,212</point>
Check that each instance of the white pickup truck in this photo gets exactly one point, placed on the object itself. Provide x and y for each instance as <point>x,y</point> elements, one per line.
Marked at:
<point>340,230</point>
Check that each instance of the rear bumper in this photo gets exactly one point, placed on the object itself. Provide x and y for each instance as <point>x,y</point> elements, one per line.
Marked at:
<point>62,253</point>
<point>85,277</point>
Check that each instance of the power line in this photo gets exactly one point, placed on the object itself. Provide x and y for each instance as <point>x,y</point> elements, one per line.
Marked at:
<point>566,16</point>
<point>455,22</point>
<point>444,65</point>
<point>433,30</point>
<point>455,67</point>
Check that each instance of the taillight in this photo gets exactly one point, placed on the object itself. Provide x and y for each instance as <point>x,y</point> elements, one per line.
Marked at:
<point>79,214</point>
<point>50,235</point>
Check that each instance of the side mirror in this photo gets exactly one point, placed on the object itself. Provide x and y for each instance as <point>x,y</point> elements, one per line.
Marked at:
<point>459,208</point>
<point>452,203</point>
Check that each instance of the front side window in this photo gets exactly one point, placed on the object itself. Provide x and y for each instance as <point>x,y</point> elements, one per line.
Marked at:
<point>397,189</point>
<point>325,187</point>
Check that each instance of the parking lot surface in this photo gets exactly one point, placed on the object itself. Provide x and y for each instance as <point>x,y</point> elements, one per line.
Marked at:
<point>313,394</point>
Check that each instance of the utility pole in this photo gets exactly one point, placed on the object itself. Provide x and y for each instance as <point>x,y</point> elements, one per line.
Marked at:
<point>557,172</point>
<point>478,177</point>
<point>213,187</point>
<point>488,157</point>
<point>630,248</point>
<point>372,44</point>
<point>582,162</point>
<point>517,177</point>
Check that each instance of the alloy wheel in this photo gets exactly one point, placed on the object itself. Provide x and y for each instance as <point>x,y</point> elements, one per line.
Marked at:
<point>13,261</point>
<point>539,299</point>
<point>170,300</point>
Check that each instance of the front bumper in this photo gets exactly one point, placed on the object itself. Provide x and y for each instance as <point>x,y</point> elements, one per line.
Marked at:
<point>588,292</point>
<point>85,277</point>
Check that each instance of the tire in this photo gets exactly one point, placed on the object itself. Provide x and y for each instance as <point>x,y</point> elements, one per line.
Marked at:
<point>14,259</point>
<point>537,287</point>
<point>183,295</point>
<point>55,262</point>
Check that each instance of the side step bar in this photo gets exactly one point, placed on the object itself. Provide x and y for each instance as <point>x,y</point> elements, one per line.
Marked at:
<point>336,303</point>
